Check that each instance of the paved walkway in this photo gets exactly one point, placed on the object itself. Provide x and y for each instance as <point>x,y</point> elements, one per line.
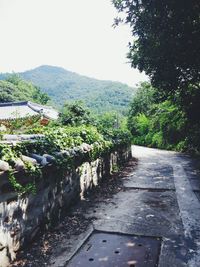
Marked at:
<point>160,201</point>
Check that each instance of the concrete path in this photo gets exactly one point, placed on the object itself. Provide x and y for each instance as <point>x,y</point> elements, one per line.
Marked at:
<point>160,201</point>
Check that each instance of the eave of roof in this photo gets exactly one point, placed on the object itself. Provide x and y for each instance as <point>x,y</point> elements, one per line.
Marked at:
<point>26,109</point>
<point>21,103</point>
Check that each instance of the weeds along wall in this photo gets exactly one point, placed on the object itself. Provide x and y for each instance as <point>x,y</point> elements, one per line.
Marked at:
<point>21,217</point>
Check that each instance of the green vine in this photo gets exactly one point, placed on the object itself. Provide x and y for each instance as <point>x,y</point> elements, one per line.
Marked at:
<point>30,171</point>
<point>20,189</point>
<point>77,144</point>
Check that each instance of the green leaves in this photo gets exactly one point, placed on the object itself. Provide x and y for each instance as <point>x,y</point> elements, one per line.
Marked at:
<point>75,114</point>
<point>165,40</point>
<point>8,154</point>
<point>62,85</point>
<point>68,145</point>
<point>161,124</point>
<point>16,89</point>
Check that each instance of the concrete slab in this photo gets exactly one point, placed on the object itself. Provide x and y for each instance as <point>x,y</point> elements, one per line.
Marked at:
<point>192,170</point>
<point>149,207</point>
<point>140,212</point>
<point>173,252</point>
<point>160,199</point>
<point>197,193</point>
<point>117,250</point>
<point>151,175</point>
<point>195,184</point>
<point>68,249</point>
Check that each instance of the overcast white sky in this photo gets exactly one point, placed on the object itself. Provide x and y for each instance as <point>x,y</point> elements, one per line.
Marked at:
<point>74,34</point>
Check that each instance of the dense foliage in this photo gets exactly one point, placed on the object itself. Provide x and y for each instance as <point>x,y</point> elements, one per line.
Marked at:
<point>60,138</point>
<point>166,40</point>
<point>64,86</point>
<point>113,126</point>
<point>66,146</point>
<point>161,123</point>
<point>75,114</point>
<point>66,140</point>
<point>16,89</point>
<point>166,46</point>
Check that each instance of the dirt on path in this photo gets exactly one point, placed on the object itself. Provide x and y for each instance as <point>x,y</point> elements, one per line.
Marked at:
<point>50,244</point>
<point>153,203</point>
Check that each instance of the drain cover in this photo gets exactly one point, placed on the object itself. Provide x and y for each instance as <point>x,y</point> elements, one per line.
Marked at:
<point>114,250</point>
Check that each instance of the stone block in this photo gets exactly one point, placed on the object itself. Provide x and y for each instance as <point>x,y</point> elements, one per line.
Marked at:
<point>4,166</point>
<point>22,217</point>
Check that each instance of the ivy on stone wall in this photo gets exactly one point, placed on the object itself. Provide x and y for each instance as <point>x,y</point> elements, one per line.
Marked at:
<point>63,147</point>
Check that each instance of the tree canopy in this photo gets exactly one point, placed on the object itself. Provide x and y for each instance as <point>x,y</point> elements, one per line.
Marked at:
<point>15,89</point>
<point>75,114</point>
<point>158,122</point>
<point>66,86</point>
<point>166,40</point>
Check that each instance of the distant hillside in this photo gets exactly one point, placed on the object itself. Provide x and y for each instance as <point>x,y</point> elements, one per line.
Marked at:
<point>62,85</point>
<point>14,88</point>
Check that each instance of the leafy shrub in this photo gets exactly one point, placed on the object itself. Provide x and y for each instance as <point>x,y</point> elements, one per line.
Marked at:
<point>118,136</point>
<point>16,89</point>
<point>66,139</point>
<point>161,124</point>
<point>75,114</point>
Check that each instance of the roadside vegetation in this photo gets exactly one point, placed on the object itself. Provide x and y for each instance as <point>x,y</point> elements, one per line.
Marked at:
<point>158,121</point>
<point>13,88</point>
<point>65,86</point>
<point>76,137</point>
<point>165,113</point>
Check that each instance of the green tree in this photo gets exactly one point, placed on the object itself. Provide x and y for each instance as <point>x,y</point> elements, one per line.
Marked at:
<point>166,46</point>
<point>16,89</point>
<point>143,99</point>
<point>108,120</point>
<point>75,114</point>
<point>166,40</point>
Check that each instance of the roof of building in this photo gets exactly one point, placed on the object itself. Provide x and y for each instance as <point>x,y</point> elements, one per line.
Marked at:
<point>13,110</point>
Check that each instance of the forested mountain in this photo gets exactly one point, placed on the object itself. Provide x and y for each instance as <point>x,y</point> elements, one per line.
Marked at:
<point>16,89</point>
<point>62,85</point>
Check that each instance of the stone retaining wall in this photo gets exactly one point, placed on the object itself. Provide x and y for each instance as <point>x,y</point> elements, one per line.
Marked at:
<point>22,218</point>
